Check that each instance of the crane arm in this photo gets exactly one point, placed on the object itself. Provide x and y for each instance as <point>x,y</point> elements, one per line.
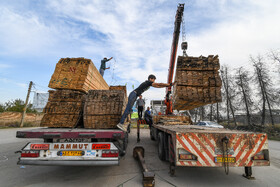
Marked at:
<point>176,34</point>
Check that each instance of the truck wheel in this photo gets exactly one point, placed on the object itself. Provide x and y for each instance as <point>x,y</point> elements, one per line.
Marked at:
<point>161,152</point>
<point>152,136</point>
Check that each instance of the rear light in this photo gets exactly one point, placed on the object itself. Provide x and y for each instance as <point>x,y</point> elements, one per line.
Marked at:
<point>39,146</point>
<point>185,155</point>
<point>109,153</point>
<point>258,157</point>
<point>262,155</point>
<point>101,146</point>
<point>30,154</point>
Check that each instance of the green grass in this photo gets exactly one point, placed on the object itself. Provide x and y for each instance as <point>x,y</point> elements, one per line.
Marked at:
<point>142,126</point>
<point>134,115</point>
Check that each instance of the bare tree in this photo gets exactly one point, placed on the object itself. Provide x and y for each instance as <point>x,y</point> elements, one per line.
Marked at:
<point>211,112</point>
<point>264,82</point>
<point>202,113</point>
<point>230,93</point>
<point>194,114</point>
<point>245,92</point>
<point>275,55</point>
<point>217,113</point>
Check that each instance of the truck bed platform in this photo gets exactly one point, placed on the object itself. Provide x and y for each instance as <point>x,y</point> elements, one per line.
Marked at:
<point>197,129</point>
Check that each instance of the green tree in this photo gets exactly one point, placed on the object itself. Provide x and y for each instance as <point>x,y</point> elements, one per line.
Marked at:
<point>2,108</point>
<point>17,105</point>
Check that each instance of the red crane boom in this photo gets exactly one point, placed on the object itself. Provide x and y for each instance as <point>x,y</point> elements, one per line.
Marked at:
<point>176,34</point>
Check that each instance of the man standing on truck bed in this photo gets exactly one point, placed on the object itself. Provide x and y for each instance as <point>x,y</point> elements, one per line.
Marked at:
<point>140,105</point>
<point>137,92</point>
<point>103,65</point>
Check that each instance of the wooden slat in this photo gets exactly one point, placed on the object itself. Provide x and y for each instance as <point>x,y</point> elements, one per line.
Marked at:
<point>64,108</point>
<point>119,87</point>
<point>77,74</point>
<point>172,120</point>
<point>103,108</point>
<point>201,63</point>
<point>198,82</point>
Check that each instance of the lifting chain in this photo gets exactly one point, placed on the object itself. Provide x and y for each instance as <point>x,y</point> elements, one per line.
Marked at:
<point>184,44</point>
<point>183,29</point>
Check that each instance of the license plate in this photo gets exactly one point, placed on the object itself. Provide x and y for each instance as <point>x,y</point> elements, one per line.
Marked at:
<point>71,153</point>
<point>225,159</point>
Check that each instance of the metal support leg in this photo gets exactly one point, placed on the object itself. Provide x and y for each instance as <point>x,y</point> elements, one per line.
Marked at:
<point>138,131</point>
<point>128,128</point>
<point>148,177</point>
<point>248,173</point>
<point>171,157</point>
<point>172,169</point>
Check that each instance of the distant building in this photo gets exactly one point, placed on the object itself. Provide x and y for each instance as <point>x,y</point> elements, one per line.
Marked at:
<point>39,101</point>
<point>158,106</point>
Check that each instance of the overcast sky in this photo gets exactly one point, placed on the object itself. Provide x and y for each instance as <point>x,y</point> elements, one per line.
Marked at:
<point>35,34</point>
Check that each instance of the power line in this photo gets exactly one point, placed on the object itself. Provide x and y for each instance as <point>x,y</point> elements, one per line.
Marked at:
<point>113,79</point>
<point>35,85</point>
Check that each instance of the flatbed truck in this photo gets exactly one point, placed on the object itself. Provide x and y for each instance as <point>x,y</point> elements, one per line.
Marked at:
<point>73,147</point>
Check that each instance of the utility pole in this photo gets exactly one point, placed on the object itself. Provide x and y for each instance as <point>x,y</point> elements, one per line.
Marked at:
<point>25,105</point>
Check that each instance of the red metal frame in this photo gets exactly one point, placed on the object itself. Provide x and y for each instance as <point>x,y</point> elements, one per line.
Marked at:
<point>69,133</point>
<point>176,34</point>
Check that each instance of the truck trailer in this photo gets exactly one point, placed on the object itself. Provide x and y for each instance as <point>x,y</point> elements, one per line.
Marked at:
<point>197,146</point>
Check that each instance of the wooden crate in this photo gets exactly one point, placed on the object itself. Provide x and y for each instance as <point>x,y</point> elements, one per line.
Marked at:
<point>60,120</point>
<point>187,98</point>
<point>64,108</point>
<point>198,78</point>
<point>101,121</point>
<point>198,82</point>
<point>119,87</point>
<point>198,63</point>
<point>103,108</point>
<point>77,74</point>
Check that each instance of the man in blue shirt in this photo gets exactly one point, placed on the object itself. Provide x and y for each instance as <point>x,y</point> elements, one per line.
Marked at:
<point>103,65</point>
<point>148,117</point>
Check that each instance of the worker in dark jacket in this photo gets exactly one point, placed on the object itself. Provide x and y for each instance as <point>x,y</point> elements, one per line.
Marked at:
<point>140,105</point>
<point>103,65</point>
<point>137,92</point>
<point>148,117</point>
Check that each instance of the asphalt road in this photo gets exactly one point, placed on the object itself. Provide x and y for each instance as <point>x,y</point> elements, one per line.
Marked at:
<point>128,173</point>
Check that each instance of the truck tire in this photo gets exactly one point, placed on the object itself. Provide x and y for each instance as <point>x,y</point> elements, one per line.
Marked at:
<point>161,150</point>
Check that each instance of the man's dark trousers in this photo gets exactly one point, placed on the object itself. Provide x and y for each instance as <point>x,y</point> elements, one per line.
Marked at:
<point>140,112</point>
<point>149,121</point>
